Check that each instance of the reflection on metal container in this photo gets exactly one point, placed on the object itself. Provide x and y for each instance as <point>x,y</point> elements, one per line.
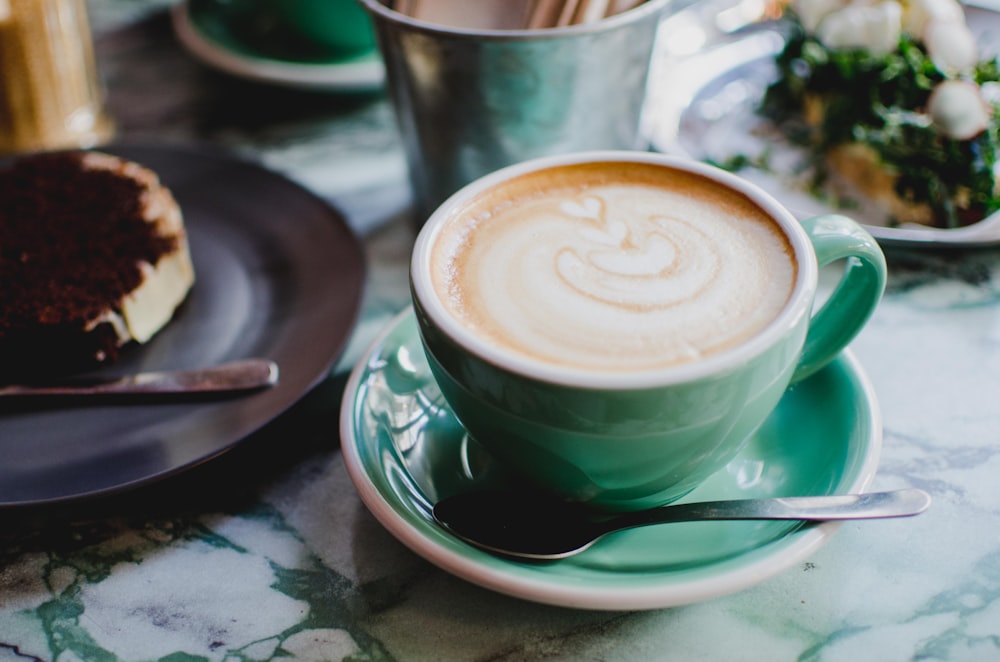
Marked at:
<point>472,100</point>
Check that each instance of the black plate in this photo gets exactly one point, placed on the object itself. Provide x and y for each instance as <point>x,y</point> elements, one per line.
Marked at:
<point>279,275</point>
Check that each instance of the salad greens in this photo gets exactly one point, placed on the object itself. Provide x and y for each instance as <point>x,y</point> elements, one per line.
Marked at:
<point>825,97</point>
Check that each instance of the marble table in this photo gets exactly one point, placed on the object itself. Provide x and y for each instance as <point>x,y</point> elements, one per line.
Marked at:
<point>267,552</point>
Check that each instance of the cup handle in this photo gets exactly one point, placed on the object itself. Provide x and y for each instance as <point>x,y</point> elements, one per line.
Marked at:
<point>845,312</point>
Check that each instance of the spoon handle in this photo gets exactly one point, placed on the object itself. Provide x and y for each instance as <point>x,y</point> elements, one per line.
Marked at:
<point>246,374</point>
<point>873,505</point>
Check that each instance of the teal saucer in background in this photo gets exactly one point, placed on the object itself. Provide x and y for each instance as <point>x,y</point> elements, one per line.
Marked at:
<point>235,43</point>
<point>404,450</point>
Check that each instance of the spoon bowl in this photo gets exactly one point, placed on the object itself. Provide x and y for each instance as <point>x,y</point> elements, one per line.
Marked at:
<point>536,526</point>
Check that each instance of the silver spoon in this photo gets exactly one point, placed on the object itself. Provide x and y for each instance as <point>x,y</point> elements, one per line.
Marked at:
<point>535,526</point>
<point>241,375</point>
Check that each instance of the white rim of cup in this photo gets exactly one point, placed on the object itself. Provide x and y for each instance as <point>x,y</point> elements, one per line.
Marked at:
<point>799,302</point>
<point>627,16</point>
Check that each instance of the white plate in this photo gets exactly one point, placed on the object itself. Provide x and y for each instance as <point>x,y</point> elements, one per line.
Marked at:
<point>714,62</point>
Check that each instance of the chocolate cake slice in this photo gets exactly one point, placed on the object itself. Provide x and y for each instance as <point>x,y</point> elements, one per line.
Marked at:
<point>93,255</point>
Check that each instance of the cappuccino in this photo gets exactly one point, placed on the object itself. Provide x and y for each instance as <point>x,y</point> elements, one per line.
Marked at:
<point>574,305</point>
<point>613,266</point>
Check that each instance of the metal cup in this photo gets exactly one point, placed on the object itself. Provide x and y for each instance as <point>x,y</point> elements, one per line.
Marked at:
<point>470,101</point>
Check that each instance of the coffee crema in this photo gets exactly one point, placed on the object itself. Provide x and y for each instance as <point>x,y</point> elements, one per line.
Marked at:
<point>613,266</point>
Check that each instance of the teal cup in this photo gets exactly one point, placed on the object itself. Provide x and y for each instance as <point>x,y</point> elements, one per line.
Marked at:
<point>339,28</point>
<point>339,25</point>
<point>629,436</point>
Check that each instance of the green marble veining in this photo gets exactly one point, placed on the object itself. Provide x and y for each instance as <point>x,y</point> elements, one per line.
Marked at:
<point>970,270</point>
<point>53,591</point>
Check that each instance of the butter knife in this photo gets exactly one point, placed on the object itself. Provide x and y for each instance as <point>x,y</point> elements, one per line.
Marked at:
<point>234,376</point>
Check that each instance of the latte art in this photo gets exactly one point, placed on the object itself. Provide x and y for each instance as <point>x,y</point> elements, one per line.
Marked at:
<point>636,267</point>
<point>618,272</point>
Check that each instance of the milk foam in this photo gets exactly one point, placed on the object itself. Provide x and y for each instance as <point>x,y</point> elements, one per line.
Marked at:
<point>608,273</point>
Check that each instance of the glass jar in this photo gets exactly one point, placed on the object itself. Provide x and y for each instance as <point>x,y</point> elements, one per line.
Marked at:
<point>50,94</point>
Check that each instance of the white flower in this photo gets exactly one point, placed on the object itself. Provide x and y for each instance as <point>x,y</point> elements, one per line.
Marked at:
<point>958,109</point>
<point>875,28</point>
<point>951,46</point>
<point>920,13</point>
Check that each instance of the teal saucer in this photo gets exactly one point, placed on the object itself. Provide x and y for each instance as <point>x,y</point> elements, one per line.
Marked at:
<point>404,450</point>
<point>237,45</point>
